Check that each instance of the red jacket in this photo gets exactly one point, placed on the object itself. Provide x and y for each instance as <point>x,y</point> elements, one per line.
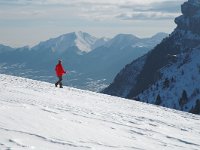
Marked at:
<point>59,70</point>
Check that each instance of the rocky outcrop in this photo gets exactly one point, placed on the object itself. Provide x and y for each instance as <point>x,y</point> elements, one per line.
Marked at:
<point>190,20</point>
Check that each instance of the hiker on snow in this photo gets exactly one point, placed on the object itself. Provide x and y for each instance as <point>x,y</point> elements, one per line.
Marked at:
<point>59,72</point>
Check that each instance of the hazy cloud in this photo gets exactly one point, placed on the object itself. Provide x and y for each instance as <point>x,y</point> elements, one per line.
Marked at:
<point>154,11</point>
<point>164,6</point>
<point>41,19</point>
<point>167,6</point>
<point>147,16</point>
<point>112,9</point>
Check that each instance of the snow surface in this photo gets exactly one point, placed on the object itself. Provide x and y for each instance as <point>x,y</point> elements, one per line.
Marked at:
<point>36,115</point>
<point>84,41</point>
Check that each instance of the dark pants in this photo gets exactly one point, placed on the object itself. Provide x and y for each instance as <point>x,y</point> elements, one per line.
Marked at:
<point>59,81</point>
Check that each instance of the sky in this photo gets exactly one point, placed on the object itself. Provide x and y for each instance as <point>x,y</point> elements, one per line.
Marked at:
<point>27,22</point>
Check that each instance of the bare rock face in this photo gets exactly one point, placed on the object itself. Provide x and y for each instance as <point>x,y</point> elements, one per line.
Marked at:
<point>190,20</point>
<point>190,8</point>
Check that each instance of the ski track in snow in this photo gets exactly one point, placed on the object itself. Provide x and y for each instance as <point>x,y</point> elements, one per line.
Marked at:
<point>36,115</point>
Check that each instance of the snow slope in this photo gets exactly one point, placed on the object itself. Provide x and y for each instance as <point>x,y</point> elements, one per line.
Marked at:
<point>36,115</point>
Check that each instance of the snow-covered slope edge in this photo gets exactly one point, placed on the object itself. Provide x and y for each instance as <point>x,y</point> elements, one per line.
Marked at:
<point>36,115</point>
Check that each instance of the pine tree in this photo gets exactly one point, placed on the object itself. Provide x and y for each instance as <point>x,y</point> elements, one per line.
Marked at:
<point>184,99</point>
<point>137,98</point>
<point>182,72</point>
<point>184,96</point>
<point>172,79</point>
<point>157,86</point>
<point>166,83</point>
<point>196,109</point>
<point>158,100</point>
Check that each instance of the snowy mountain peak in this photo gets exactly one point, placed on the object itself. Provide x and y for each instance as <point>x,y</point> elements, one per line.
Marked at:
<point>126,36</point>
<point>83,35</point>
<point>120,40</point>
<point>84,41</point>
<point>4,47</point>
<point>100,42</point>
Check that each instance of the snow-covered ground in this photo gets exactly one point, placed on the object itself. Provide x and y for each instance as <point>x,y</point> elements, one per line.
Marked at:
<point>36,115</point>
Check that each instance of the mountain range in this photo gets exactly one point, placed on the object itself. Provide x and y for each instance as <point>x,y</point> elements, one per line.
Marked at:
<point>169,74</point>
<point>91,62</point>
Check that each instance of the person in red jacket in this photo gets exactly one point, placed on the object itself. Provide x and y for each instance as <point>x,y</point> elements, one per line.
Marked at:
<point>59,72</point>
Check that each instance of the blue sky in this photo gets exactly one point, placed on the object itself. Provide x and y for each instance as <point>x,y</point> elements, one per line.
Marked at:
<point>27,22</point>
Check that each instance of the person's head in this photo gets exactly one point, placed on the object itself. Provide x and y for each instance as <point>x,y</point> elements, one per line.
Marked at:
<point>59,61</point>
